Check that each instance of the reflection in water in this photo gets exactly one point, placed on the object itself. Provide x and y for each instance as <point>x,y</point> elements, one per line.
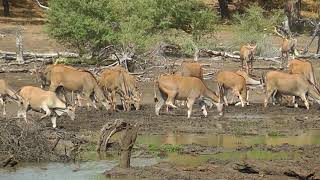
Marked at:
<point>230,141</point>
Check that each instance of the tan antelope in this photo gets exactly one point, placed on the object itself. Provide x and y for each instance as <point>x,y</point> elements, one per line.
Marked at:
<point>250,82</point>
<point>289,84</point>
<point>43,77</point>
<point>132,89</point>
<point>288,46</point>
<point>247,57</point>
<point>79,81</point>
<point>176,87</point>
<point>6,93</point>
<point>40,100</point>
<point>112,81</point>
<point>228,80</point>
<point>302,67</point>
<point>238,82</point>
<point>191,69</point>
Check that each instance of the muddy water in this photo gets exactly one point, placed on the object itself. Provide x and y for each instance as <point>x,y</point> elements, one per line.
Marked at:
<point>90,170</point>
<point>96,165</point>
<point>231,141</point>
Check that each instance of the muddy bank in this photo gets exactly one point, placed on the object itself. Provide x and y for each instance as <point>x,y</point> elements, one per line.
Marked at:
<point>304,166</point>
<point>251,120</point>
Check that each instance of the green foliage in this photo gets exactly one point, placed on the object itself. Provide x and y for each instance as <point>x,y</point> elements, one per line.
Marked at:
<point>90,25</point>
<point>255,25</point>
<point>164,148</point>
<point>275,133</point>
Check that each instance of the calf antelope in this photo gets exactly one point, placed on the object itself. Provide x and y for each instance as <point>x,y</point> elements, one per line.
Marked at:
<point>290,84</point>
<point>40,100</point>
<point>288,46</point>
<point>174,87</point>
<point>6,93</point>
<point>247,57</point>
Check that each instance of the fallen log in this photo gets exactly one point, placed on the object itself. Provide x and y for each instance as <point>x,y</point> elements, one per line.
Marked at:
<point>7,55</point>
<point>236,56</point>
<point>15,70</point>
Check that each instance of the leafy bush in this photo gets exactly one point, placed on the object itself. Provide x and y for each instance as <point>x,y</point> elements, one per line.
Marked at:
<point>255,25</point>
<point>91,25</point>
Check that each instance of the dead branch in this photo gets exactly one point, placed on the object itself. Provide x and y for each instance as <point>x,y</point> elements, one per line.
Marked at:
<point>42,6</point>
<point>7,161</point>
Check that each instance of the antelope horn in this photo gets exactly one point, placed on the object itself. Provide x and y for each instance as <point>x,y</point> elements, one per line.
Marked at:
<point>281,35</point>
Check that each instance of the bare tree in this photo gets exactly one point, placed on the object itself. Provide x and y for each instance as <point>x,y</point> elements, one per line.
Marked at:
<point>5,4</point>
<point>225,14</point>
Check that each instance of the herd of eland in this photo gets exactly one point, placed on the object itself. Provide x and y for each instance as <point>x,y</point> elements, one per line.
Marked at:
<point>186,85</point>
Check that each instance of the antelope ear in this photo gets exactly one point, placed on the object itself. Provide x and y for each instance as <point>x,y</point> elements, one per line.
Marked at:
<point>254,47</point>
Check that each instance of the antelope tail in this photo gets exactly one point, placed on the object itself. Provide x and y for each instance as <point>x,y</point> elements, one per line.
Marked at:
<point>220,91</point>
<point>155,92</point>
<point>263,82</point>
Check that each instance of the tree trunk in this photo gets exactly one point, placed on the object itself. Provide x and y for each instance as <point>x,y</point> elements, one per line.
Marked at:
<point>223,4</point>
<point>6,11</point>
<point>298,10</point>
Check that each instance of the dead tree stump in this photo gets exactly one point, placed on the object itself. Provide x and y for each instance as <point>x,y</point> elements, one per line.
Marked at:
<point>107,131</point>
<point>128,138</point>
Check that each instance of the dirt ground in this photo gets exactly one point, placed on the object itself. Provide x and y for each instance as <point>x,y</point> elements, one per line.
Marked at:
<point>249,121</point>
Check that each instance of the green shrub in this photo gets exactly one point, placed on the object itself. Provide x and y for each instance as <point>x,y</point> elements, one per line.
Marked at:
<point>255,25</point>
<point>90,25</point>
